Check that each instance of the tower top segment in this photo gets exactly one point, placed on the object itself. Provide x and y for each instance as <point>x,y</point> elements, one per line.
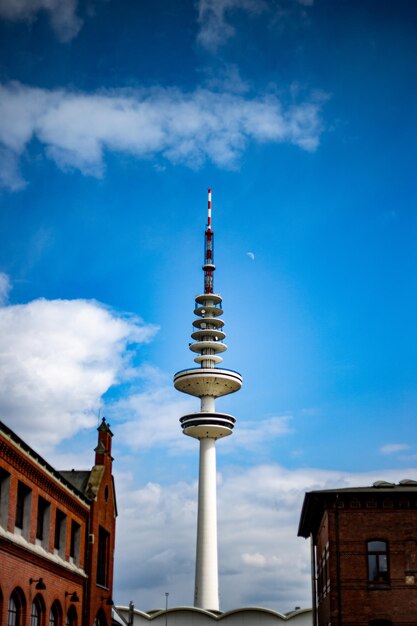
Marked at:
<point>209,209</point>
<point>208,265</point>
<point>209,380</point>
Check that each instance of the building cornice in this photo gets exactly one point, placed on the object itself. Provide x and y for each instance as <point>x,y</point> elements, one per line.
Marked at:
<point>40,472</point>
<point>14,544</point>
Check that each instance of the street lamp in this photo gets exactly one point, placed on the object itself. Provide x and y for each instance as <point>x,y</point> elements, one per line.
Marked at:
<point>166,608</point>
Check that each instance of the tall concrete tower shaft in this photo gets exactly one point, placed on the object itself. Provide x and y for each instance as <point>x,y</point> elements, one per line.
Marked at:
<point>207,382</point>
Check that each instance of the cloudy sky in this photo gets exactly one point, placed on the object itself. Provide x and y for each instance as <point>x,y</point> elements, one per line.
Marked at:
<point>115,118</point>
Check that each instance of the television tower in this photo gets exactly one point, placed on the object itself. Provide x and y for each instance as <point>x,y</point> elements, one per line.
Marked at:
<point>207,382</point>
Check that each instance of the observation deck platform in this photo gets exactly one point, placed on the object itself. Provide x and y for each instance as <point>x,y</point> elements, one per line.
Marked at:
<point>202,381</point>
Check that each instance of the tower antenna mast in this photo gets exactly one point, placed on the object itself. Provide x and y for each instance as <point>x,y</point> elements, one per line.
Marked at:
<point>207,382</point>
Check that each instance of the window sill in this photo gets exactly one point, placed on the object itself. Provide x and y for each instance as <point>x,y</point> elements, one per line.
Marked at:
<point>379,586</point>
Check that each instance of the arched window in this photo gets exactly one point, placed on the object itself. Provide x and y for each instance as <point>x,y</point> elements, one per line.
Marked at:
<point>35,615</point>
<point>16,608</point>
<point>55,614</point>
<point>71,619</point>
<point>100,618</point>
<point>378,571</point>
<point>37,611</point>
<point>13,613</point>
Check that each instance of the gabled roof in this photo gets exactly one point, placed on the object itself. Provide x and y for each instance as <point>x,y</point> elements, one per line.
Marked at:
<point>88,482</point>
<point>77,478</point>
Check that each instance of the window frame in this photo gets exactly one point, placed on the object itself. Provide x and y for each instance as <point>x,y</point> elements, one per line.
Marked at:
<point>22,511</point>
<point>16,608</point>
<point>42,526</point>
<point>35,614</point>
<point>75,535</point>
<point>379,556</point>
<point>60,534</point>
<point>71,618</point>
<point>4,496</point>
<point>103,550</point>
<point>39,603</point>
<point>100,618</point>
<point>13,611</point>
<point>55,614</point>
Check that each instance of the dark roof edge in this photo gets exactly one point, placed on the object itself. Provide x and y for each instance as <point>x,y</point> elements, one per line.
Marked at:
<point>22,444</point>
<point>383,487</point>
<point>311,515</point>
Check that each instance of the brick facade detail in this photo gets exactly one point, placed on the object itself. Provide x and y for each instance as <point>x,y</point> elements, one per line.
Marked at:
<point>57,532</point>
<point>364,555</point>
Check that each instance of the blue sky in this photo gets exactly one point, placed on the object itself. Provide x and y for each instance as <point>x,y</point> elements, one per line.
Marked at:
<point>115,118</point>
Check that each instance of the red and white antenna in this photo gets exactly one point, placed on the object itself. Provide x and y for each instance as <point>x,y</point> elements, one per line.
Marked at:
<point>208,266</point>
<point>209,209</point>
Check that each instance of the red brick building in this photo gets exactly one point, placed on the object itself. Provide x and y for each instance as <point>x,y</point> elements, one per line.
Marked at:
<point>57,532</point>
<point>364,554</point>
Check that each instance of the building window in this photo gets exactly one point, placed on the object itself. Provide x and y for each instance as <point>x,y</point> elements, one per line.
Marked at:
<point>20,505</point>
<point>100,619</point>
<point>75,541</point>
<point>60,532</point>
<point>378,571</point>
<point>102,556</point>
<point>37,610</point>
<point>55,614</point>
<point>42,518</point>
<point>35,615</point>
<point>71,616</point>
<point>13,613</point>
<point>15,616</point>
<point>4,496</point>
<point>22,518</point>
<point>323,583</point>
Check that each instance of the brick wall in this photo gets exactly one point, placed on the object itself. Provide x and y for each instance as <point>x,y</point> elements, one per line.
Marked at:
<point>353,599</point>
<point>17,571</point>
<point>24,556</point>
<point>103,515</point>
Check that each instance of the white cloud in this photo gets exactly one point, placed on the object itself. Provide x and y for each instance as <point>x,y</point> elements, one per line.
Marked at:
<point>251,255</point>
<point>150,419</point>
<point>393,448</point>
<point>62,14</point>
<point>190,128</point>
<point>10,177</point>
<point>215,30</point>
<point>261,559</point>
<point>57,359</point>
<point>226,78</point>
<point>215,17</point>
<point>261,432</point>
